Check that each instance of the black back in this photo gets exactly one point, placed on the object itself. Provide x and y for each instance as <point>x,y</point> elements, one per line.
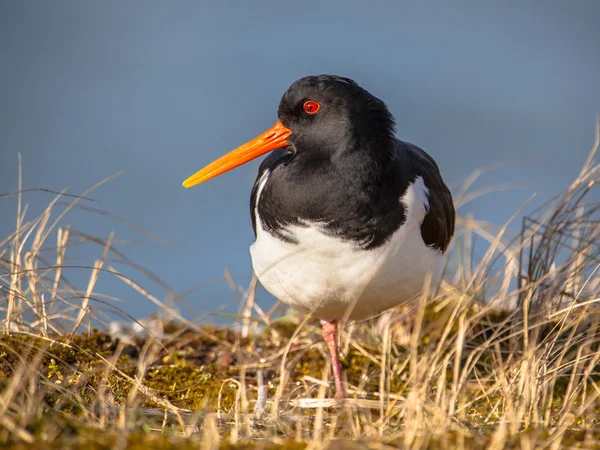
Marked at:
<point>367,213</point>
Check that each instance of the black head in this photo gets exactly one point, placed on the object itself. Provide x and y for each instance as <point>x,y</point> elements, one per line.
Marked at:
<point>333,115</point>
<point>320,117</point>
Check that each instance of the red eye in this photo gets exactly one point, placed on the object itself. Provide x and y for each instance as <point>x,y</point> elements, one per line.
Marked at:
<point>311,107</point>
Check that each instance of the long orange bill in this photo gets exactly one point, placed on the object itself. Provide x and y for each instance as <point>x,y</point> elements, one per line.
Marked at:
<point>272,139</point>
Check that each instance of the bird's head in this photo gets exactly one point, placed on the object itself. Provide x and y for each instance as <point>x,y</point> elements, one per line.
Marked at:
<point>323,114</point>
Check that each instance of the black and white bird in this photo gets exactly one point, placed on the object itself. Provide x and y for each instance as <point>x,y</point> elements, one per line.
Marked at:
<point>349,221</point>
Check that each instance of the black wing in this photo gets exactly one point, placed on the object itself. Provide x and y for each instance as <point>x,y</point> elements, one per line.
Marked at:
<point>269,163</point>
<point>437,228</point>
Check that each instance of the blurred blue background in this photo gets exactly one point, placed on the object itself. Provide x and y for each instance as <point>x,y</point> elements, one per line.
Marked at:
<point>158,89</point>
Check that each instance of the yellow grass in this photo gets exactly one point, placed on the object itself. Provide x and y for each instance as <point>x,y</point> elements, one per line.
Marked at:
<point>504,355</point>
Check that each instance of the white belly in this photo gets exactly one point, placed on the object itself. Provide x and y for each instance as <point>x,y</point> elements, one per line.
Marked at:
<point>333,278</point>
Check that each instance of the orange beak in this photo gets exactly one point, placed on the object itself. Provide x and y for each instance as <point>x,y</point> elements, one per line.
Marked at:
<point>272,139</point>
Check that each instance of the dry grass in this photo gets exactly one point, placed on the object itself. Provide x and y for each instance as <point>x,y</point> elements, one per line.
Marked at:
<point>505,355</point>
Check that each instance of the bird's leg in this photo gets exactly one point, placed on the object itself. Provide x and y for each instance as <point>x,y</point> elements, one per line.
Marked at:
<point>329,330</point>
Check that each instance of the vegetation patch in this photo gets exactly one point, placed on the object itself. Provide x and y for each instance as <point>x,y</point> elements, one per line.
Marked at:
<point>505,354</point>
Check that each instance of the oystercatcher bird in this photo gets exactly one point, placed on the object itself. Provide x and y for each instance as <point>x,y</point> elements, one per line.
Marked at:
<point>349,221</point>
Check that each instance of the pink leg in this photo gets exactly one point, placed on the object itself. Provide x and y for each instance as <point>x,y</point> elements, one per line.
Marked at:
<point>329,330</point>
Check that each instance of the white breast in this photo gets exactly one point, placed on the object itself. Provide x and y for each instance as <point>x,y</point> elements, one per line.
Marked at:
<point>327,276</point>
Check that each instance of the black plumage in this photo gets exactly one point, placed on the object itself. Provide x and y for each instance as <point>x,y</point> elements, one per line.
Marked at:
<point>345,170</point>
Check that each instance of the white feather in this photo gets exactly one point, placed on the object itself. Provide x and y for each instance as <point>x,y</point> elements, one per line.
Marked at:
<point>335,278</point>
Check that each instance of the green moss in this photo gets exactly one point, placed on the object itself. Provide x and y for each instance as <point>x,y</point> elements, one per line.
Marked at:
<point>252,445</point>
<point>310,364</point>
<point>192,387</point>
<point>70,372</point>
<point>195,367</point>
<point>90,439</point>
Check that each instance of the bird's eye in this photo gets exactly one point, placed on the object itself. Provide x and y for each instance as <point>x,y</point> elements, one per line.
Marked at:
<point>311,107</point>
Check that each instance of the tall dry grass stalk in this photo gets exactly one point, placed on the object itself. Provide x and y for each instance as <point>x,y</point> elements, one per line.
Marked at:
<point>518,369</point>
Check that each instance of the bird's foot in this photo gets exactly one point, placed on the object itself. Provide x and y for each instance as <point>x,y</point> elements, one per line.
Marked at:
<point>329,330</point>
<point>340,394</point>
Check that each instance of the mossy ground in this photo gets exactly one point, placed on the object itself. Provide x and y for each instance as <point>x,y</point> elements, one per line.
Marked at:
<point>81,392</point>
